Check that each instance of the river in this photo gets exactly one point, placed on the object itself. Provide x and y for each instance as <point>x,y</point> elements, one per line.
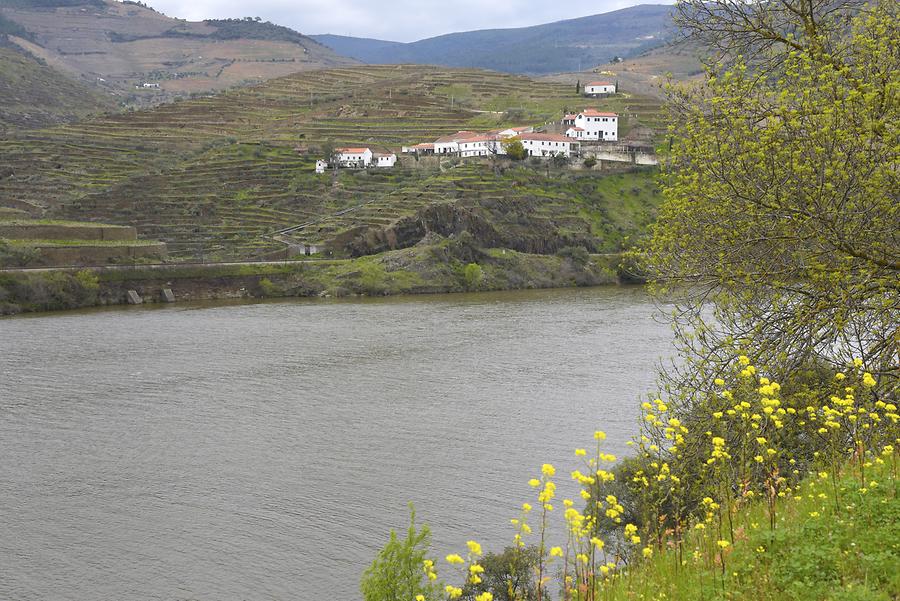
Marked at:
<point>264,451</point>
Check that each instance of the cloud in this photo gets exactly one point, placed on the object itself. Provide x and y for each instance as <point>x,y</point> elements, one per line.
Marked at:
<point>399,20</point>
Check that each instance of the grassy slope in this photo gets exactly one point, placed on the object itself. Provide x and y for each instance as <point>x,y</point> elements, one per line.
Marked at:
<point>217,173</point>
<point>33,95</point>
<point>817,551</point>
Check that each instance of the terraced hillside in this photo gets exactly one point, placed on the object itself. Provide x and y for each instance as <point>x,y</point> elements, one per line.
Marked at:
<point>115,46</point>
<point>219,176</point>
<point>34,95</point>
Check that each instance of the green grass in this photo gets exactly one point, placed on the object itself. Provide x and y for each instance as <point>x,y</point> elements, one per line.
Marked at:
<point>818,551</point>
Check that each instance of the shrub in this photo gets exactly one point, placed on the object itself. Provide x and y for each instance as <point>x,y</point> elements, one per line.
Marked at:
<point>473,276</point>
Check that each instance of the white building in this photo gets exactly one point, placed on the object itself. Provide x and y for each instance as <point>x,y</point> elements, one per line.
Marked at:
<point>482,145</point>
<point>593,125</point>
<point>385,160</point>
<point>548,145</point>
<point>356,158</point>
<point>450,144</point>
<point>512,132</point>
<point>321,166</point>
<point>425,148</point>
<point>599,88</point>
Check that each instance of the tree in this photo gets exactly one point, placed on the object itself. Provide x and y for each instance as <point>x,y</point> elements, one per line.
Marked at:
<point>782,211</point>
<point>515,150</point>
<point>508,576</point>
<point>578,88</point>
<point>473,274</point>
<point>397,574</point>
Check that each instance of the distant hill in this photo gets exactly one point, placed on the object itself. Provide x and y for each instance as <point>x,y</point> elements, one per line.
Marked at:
<point>645,72</point>
<point>34,95</point>
<point>564,46</point>
<point>120,45</point>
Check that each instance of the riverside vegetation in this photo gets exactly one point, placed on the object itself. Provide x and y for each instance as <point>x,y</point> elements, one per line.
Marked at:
<point>767,468</point>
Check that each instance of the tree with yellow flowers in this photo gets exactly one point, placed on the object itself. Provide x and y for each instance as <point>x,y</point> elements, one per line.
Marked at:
<point>780,230</point>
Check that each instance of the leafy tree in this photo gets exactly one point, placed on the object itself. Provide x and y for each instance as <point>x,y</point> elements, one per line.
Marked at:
<point>578,88</point>
<point>473,274</point>
<point>397,573</point>
<point>590,162</point>
<point>782,208</point>
<point>515,150</point>
<point>508,576</point>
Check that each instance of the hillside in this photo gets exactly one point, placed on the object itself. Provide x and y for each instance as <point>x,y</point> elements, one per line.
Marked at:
<point>33,95</point>
<point>647,71</point>
<point>217,176</point>
<point>564,46</point>
<point>119,45</point>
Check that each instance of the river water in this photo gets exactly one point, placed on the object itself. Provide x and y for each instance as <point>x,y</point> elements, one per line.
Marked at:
<point>264,451</point>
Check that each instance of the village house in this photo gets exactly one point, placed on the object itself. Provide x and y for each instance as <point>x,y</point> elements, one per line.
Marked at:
<point>385,160</point>
<point>600,88</point>
<point>360,158</point>
<point>450,144</point>
<point>321,166</point>
<point>354,158</point>
<point>426,148</point>
<point>548,145</point>
<point>592,125</point>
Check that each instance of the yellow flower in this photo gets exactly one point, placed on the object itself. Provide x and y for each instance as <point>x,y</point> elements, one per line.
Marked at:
<point>474,548</point>
<point>599,435</point>
<point>868,380</point>
<point>647,552</point>
<point>744,360</point>
<point>719,382</point>
<point>548,470</point>
<point>534,483</point>
<point>857,362</point>
<point>476,569</point>
<point>420,597</point>
<point>597,542</point>
<point>724,544</point>
<point>580,452</point>
<point>485,597</point>
<point>839,376</point>
<point>635,540</point>
<point>454,559</point>
<point>454,592</point>
<point>556,552</point>
<point>526,507</point>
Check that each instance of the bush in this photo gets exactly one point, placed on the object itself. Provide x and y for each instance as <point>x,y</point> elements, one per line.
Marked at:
<point>515,150</point>
<point>590,163</point>
<point>397,572</point>
<point>577,255</point>
<point>473,275</point>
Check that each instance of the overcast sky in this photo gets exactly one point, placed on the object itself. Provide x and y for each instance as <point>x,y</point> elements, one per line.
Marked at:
<point>398,20</point>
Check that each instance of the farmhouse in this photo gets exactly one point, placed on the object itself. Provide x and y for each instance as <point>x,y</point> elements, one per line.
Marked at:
<point>547,145</point>
<point>355,158</point>
<point>385,160</point>
<point>419,149</point>
<point>450,144</point>
<point>592,125</point>
<point>600,88</point>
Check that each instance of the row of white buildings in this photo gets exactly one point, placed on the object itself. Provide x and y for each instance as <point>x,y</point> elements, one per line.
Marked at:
<point>477,144</point>
<point>587,125</point>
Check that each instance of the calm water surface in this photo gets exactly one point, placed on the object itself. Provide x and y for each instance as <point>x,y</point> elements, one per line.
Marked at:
<point>264,451</point>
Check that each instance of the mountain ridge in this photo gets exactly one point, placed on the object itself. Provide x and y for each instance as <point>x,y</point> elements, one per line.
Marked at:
<point>561,46</point>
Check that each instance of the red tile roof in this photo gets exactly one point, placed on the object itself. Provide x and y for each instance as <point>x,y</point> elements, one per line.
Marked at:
<point>351,150</point>
<point>460,135</point>
<point>593,113</point>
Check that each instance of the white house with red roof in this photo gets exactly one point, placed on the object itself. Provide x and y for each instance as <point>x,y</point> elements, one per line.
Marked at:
<point>353,157</point>
<point>450,144</point>
<point>548,145</point>
<point>590,124</point>
<point>600,88</point>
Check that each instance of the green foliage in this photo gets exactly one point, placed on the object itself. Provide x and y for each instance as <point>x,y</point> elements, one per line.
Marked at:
<point>578,255</point>
<point>473,275</point>
<point>590,162</point>
<point>781,195</point>
<point>508,576</point>
<point>515,150</point>
<point>397,572</point>
<point>50,291</point>
<point>17,255</point>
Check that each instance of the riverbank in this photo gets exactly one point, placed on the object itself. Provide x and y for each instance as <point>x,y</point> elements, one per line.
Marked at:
<point>444,266</point>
